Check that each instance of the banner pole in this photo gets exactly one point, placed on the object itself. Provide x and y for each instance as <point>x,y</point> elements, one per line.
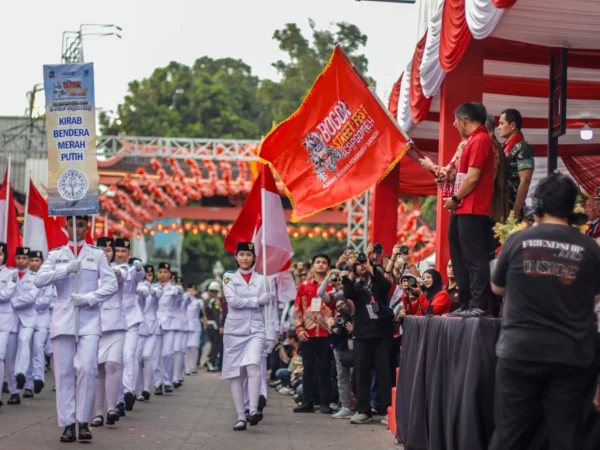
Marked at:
<point>7,201</point>
<point>264,249</point>
<point>75,242</point>
<point>26,209</point>
<point>93,228</point>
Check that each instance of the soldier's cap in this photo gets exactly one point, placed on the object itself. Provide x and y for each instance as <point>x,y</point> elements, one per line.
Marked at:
<point>36,254</point>
<point>23,251</point>
<point>149,268</point>
<point>123,243</point>
<point>164,265</point>
<point>244,247</point>
<point>191,286</point>
<point>178,279</point>
<point>105,241</point>
<point>135,258</point>
<point>78,217</point>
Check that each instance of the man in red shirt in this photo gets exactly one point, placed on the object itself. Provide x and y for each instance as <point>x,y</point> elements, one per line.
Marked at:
<point>470,224</point>
<point>311,315</point>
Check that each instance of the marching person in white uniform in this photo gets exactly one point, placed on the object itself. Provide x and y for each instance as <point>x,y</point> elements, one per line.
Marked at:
<point>133,318</point>
<point>142,292</point>
<point>152,346</point>
<point>36,376</point>
<point>8,284</point>
<point>180,343</point>
<point>19,344</point>
<point>250,327</point>
<point>75,346</point>
<point>168,304</point>
<point>110,347</point>
<point>193,328</point>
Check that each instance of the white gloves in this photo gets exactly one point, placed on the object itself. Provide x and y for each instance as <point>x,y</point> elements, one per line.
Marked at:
<point>119,274</point>
<point>264,299</point>
<point>138,265</point>
<point>143,289</point>
<point>79,300</point>
<point>270,346</point>
<point>74,266</point>
<point>156,291</point>
<point>179,290</point>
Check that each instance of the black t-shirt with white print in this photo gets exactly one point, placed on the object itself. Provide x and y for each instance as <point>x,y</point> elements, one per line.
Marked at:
<point>551,274</point>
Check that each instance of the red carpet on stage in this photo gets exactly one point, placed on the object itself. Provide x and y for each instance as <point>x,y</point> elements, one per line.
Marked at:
<point>445,389</point>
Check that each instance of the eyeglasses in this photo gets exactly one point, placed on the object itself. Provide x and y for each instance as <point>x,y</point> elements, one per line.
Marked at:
<point>456,121</point>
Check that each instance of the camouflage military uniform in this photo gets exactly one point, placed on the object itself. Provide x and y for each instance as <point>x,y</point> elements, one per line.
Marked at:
<point>520,158</point>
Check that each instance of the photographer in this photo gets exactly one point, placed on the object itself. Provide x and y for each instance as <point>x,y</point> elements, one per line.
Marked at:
<point>341,331</point>
<point>433,300</point>
<point>373,330</point>
<point>399,263</point>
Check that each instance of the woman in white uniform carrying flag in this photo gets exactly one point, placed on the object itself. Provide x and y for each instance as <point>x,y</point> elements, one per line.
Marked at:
<point>246,336</point>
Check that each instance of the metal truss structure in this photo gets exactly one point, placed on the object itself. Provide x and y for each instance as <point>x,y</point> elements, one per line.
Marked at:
<point>33,143</point>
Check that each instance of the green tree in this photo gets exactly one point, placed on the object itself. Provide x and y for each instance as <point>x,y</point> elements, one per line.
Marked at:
<point>200,253</point>
<point>212,99</point>
<point>429,211</point>
<point>305,248</point>
<point>306,59</point>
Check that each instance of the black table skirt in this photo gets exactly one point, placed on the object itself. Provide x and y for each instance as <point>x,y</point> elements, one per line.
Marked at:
<point>445,389</point>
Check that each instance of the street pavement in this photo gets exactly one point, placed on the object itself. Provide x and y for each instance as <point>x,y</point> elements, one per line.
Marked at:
<point>199,415</point>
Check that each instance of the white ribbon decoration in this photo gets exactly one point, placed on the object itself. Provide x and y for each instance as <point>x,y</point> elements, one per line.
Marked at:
<point>482,17</point>
<point>405,119</point>
<point>432,74</point>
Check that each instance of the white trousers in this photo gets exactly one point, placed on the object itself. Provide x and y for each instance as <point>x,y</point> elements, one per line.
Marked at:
<point>38,359</point>
<point>156,359</point>
<point>75,369</point>
<point>264,375</point>
<point>23,358</point>
<point>168,361</point>
<point>9,362</point>
<point>139,352</point>
<point>4,336</point>
<point>130,363</point>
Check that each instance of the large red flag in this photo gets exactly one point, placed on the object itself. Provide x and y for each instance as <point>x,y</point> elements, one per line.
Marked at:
<point>270,230</point>
<point>13,237</point>
<point>42,232</point>
<point>338,144</point>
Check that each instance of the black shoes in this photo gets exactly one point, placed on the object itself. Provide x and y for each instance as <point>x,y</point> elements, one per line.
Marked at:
<point>121,409</point>
<point>168,389</point>
<point>69,434</point>
<point>84,432</point>
<point>20,381</point>
<point>38,385</point>
<point>111,417</point>
<point>305,408</point>
<point>240,425</point>
<point>98,421</point>
<point>158,391</point>
<point>262,403</point>
<point>477,312</point>
<point>28,393</point>
<point>177,385</point>
<point>146,395</point>
<point>254,418</point>
<point>458,313</point>
<point>326,409</point>
<point>14,399</point>
<point>129,401</point>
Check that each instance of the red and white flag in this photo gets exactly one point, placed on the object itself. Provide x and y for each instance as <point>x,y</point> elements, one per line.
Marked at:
<point>9,227</point>
<point>42,232</point>
<point>262,222</point>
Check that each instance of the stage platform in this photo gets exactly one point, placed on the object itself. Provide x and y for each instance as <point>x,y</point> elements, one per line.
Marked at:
<point>445,390</point>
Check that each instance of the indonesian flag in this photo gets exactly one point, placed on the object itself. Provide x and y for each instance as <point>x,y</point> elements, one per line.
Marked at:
<point>42,232</point>
<point>338,144</point>
<point>269,229</point>
<point>13,237</point>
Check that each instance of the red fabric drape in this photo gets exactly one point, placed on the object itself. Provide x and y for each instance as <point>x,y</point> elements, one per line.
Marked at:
<point>414,180</point>
<point>585,170</point>
<point>535,87</point>
<point>455,36</point>
<point>503,4</point>
<point>419,104</point>
<point>395,98</point>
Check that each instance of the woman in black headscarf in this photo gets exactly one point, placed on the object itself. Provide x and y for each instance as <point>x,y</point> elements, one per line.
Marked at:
<point>432,299</point>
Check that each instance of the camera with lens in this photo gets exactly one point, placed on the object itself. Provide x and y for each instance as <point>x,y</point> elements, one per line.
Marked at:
<point>376,255</point>
<point>404,250</point>
<point>340,325</point>
<point>335,277</point>
<point>412,282</point>
<point>361,258</point>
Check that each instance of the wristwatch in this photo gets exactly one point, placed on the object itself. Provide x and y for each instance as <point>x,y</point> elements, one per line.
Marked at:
<point>455,199</point>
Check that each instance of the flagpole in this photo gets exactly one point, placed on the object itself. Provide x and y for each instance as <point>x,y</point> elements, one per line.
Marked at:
<point>93,228</point>
<point>7,201</point>
<point>75,242</point>
<point>263,212</point>
<point>26,209</point>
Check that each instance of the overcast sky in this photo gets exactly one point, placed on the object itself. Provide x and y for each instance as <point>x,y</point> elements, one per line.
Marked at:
<point>156,32</point>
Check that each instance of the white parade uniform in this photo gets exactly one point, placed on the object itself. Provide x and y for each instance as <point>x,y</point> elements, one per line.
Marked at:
<point>245,335</point>
<point>167,314</point>
<point>40,335</point>
<point>113,323</point>
<point>193,322</point>
<point>19,346</point>
<point>180,343</point>
<point>76,364</point>
<point>8,284</point>
<point>133,318</point>
<point>153,345</point>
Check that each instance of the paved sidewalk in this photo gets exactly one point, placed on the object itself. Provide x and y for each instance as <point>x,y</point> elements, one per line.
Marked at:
<point>197,416</point>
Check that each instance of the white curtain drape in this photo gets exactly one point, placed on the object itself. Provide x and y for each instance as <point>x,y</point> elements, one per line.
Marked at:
<point>405,119</point>
<point>482,17</point>
<point>432,74</point>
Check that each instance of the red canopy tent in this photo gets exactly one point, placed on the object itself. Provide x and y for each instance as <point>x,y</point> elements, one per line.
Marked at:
<point>497,52</point>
